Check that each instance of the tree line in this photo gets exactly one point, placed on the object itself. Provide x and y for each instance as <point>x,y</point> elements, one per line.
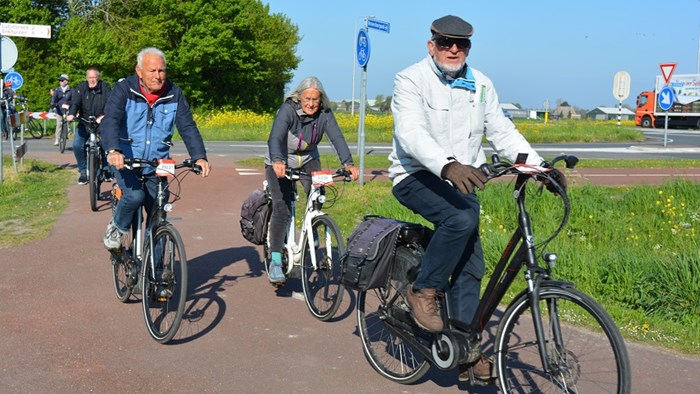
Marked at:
<point>225,54</point>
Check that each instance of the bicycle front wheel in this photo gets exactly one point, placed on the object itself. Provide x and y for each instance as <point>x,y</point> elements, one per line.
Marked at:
<point>323,290</point>
<point>388,353</point>
<point>63,137</point>
<point>584,348</point>
<point>94,181</point>
<point>34,128</point>
<point>164,283</point>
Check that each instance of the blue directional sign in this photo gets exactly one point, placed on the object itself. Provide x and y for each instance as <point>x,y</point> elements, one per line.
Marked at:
<point>15,78</point>
<point>378,25</point>
<point>363,48</point>
<point>665,98</point>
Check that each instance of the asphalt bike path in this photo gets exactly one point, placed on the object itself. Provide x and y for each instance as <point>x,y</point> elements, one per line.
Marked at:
<point>64,331</point>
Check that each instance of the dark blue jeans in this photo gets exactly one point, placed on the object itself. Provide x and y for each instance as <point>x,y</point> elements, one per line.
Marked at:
<point>453,261</point>
<point>81,135</point>
<point>134,194</point>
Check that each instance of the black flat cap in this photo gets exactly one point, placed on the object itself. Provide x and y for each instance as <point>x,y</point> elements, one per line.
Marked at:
<point>451,26</point>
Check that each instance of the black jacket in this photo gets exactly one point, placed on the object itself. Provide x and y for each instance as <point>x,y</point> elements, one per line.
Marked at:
<point>60,97</point>
<point>89,102</point>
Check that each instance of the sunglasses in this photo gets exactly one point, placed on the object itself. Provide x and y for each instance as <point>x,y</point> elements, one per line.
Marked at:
<point>445,43</point>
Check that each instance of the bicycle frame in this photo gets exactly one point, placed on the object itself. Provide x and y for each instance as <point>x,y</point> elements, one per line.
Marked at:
<point>294,246</point>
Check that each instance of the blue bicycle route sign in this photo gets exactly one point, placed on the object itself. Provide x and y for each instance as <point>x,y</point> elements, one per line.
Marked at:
<point>363,48</point>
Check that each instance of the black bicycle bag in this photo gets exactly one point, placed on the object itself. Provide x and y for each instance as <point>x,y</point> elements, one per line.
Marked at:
<point>255,213</point>
<point>370,252</point>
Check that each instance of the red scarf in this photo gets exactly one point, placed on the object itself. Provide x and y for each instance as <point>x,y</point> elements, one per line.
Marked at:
<point>151,97</point>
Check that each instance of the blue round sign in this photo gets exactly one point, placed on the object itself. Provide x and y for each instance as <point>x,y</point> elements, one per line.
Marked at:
<point>665,98</point>
<point>16,79</point>
<point>362,48</point>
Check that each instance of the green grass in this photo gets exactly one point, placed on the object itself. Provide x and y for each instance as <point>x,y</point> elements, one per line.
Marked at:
<point>31,200</point>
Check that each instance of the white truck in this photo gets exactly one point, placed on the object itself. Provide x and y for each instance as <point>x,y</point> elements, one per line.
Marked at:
<point>685,111</point>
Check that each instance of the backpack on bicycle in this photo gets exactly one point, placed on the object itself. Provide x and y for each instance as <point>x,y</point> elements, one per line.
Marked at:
<point>255,213</point>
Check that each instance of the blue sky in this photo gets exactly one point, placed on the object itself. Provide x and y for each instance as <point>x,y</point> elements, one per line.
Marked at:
<point>532,50</point>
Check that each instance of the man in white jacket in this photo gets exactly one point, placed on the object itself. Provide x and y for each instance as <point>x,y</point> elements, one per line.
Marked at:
<point>442,108</point>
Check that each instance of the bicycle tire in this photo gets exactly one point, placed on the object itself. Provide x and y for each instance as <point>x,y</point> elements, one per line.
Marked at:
<point>323,289</point>
<point>388,353</point>
<point>34,128</point>
<point>93,178</point>
<point>63,137</point>
<point>164,291</point>
<point>594,358</point>
<point>124,269</point>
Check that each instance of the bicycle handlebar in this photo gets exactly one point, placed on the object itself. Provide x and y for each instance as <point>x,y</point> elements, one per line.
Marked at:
<point>295,174</point>
<point>498,168</point>
<point>133,163</point>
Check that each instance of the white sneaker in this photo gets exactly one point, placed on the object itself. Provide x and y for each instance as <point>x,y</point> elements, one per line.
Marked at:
<point>113,237</point>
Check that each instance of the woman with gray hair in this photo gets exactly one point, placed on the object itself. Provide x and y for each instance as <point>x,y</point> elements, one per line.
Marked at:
<point>300,123</point>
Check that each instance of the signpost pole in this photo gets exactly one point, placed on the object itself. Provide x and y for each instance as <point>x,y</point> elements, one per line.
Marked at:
<point>665,97</point>
<point>361,144</point>
<point>363,52</point>
<point>666,129</point>
<point>18,30</point>
<point>2,91</point>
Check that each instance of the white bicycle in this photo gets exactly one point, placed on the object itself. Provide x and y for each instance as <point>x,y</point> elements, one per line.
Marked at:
<point>317,250</point>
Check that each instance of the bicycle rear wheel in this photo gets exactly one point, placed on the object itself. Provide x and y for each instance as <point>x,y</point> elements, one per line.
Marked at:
<point>63,137</point>
<point>165,288</point>
<point>323,290</point>
<point>124,269</point>
<point>585,349</point>
<point>94,180</point>
<point>34,128</point>
<point>389,354</point>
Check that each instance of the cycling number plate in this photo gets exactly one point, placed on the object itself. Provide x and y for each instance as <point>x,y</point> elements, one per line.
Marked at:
<point>321,178</point>
<point>166,167</point>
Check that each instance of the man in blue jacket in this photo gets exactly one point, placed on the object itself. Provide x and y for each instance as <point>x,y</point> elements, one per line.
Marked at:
<point>139,118</point>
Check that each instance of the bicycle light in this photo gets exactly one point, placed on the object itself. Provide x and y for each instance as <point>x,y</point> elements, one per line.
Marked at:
<point>168,207</point>
<point>322,199</point>
<point>550,258</point>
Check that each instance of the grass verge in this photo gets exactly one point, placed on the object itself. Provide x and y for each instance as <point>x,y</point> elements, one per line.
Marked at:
<point>31,200</point>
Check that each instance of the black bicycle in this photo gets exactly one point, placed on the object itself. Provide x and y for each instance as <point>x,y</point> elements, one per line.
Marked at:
<point>63,133</point>
<point>31,125</point>
<point>95,160</point>
<point>551,337</point>
<point>152,258</point>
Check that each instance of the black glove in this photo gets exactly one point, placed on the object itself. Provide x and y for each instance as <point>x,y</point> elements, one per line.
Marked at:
<point>463,177</point>
<point>558,177</point>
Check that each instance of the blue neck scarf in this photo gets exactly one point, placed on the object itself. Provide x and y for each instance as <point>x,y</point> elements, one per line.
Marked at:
<point>467,82</point>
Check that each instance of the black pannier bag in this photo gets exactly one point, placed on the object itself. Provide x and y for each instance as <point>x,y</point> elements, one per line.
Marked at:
<point>255,213</point>
<point>370,253</point>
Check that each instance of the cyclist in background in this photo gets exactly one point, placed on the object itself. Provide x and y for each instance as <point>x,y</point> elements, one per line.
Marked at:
<point>297,129</point>
<point>8,96</point>
<point>60,102</point>
<point>89,99</point>
<point>140,115</point>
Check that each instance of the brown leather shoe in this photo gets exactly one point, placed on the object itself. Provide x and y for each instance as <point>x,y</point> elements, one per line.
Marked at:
<point>425,308</point>
<point>481,369</point>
